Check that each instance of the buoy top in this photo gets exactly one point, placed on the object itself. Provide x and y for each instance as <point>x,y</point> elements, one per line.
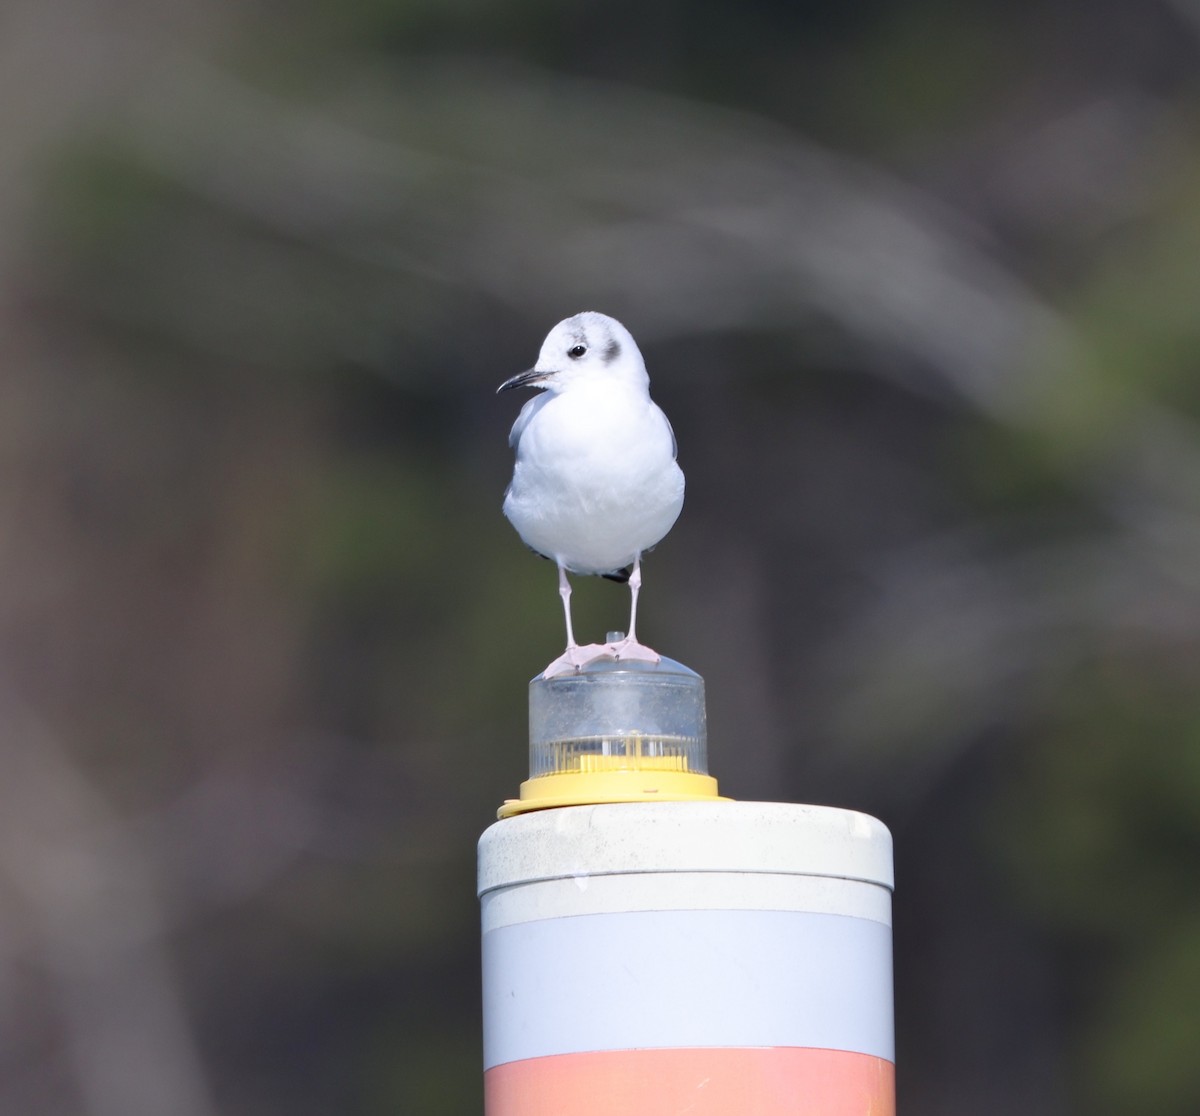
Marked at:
<point>616,731</point>
<point>712,836</point>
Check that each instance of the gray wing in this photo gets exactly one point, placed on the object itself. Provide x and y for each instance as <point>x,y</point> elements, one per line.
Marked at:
<point>670,429</point>
<point>526,416</point>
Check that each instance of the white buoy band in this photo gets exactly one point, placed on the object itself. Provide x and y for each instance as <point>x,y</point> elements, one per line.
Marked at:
<point>703,957</point>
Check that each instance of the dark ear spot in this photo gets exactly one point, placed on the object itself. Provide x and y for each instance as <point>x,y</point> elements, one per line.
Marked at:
<point>611,351</point>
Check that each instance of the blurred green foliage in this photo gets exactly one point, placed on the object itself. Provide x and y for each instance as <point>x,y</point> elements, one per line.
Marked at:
<point>916,284</point>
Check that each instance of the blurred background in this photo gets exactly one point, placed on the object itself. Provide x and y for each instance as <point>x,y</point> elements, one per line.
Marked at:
<point>917,284</point>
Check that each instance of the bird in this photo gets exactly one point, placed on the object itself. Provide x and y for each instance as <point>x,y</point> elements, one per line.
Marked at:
<point>595,482</point>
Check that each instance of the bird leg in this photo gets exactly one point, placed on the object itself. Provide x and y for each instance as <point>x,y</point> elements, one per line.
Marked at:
<point>629,648</point>
<point>574,657</point>
<point>564,591</point>
<point>635,585</point>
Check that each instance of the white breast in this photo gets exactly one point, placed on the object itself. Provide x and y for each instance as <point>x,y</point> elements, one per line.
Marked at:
<point>596,481</point>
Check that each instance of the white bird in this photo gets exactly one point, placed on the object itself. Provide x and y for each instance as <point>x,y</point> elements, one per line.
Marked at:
<point>595,483</point>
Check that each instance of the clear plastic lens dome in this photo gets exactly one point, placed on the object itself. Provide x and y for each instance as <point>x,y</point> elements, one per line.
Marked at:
<point>618,716</point>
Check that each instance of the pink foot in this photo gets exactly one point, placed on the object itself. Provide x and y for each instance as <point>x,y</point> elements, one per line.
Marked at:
<point>576,658</point>
<point>629,648</point>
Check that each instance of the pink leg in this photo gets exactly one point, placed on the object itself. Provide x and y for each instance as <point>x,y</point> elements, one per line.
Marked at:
<point>635,585</point>
<point>629,648</point>
<point>564,591</point>
<point>574,658</point>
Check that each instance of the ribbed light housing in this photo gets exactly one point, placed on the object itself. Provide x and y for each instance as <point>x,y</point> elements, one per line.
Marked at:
<point>615,715</point>
<point>616,731</point>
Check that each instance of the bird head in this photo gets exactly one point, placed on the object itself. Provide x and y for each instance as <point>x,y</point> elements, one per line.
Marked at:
<point>588,346</point>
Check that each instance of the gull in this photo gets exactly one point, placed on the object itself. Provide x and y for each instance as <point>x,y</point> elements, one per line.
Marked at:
<point>595,483</point>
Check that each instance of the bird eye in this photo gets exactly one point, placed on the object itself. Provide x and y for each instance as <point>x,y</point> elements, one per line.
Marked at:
<point>576,351</point>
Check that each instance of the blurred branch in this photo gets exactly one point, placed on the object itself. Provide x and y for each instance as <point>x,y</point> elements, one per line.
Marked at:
<point>701,218</point>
